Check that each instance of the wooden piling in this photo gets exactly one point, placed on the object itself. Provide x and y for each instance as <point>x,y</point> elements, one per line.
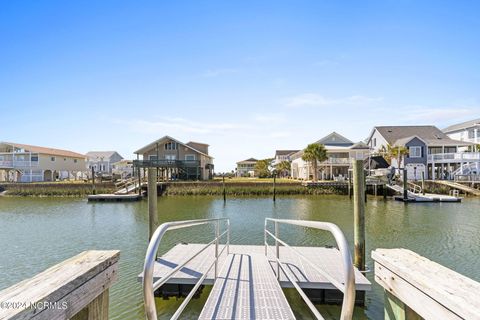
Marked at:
<point>139,182</point>
<point>152,202</point>
<point>359,214</point>
<point>405,185</point>
<point>349,186</point>
<point>423,182</point>
<point>274,187</point>
<point>93,181</point>
<point>224,190</point>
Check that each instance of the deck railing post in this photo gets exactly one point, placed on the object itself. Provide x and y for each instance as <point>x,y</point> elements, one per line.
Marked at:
<point>359,214</point>
<point>277,249</point>
<point>217,234</point>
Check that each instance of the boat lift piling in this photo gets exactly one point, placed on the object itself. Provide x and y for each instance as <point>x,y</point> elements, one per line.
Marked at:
<point>359,214</point>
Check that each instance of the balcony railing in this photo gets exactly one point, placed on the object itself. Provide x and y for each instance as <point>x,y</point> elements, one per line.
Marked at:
<point>165,163</point>
<point>18,163</point>
<point>454,157</point>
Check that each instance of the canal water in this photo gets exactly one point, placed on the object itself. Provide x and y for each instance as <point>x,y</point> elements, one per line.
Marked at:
<point>36,233</point>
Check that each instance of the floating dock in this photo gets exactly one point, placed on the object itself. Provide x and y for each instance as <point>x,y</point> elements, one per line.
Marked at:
<point>247,285</point>
<point>420,197</point>
<point>114,197</point>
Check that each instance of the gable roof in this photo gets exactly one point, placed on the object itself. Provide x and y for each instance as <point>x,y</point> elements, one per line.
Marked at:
<point>46,150</point>
<point>151,145</point>
<point>248,160</point>
<point>463,125</point>
<point>96,155</point>
<point>284,152</point>
<point>335,139</point>
<point>431,135</point>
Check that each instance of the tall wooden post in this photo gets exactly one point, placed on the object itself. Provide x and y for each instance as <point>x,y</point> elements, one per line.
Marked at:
<point>152,202</point>
<point>405,185</point>
<point>139,173</point>
<point>359,214</point>
<point>423,182</point>
<point>224,191</point>
<point>93,181</point>
<point>365,185</point>
<point>349,184</point>
<point>274,186</point>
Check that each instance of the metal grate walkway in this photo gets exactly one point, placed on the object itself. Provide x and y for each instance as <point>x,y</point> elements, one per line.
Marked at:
<point>246,289</point>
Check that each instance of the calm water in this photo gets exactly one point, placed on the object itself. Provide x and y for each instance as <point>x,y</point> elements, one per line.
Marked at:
<point>38,233</point>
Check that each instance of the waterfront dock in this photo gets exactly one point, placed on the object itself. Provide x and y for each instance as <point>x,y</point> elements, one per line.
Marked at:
<point>114,197</point>
<point>247,280</point>
<point>327,259</point>
<point>415,195</point>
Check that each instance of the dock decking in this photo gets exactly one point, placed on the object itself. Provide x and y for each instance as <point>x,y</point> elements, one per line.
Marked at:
<point>114,197</point>
<point>247,285</point>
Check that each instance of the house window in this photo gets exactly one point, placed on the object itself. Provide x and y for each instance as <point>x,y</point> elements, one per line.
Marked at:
<point>34,158</point>
<point>152,157</point>
<point>64,159</point>
<point>170,157</point>
<point>189,157</point>
<point>374,142</point>
<point>52,158</point>
<point>415,152</point>
<point>171,146</point>
<point>74,160</point>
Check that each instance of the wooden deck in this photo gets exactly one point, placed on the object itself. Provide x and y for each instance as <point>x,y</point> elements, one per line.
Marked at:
<point>431,290</point>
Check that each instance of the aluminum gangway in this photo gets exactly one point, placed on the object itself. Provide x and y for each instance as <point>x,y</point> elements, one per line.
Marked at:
<point>247,279</point>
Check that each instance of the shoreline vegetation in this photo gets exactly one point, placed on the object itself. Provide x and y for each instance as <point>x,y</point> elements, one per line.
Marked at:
<point>233,187</point>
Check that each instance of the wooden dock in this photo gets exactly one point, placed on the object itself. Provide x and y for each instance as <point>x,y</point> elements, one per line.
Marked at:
<point>247,286</point>
<point>418,288</point>
<point>114,197</point>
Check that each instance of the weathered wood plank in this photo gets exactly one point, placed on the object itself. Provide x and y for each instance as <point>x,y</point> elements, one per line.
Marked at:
<point>430,289</point>
<point>75,282</point>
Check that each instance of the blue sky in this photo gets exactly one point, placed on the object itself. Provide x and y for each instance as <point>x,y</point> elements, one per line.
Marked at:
<point>247,77</point>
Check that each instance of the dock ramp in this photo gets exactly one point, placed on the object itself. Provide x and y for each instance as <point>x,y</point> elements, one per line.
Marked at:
<point>248,279</point>
<point>458,186</point>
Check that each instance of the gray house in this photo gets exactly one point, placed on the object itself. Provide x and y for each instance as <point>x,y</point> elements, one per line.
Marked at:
<point>102,161</point>
<point>430,150</point>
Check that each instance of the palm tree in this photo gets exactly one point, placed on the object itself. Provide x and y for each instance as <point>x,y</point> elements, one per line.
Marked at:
<point>315,153</point>
<point>396,152</point>
<point>284,168</point>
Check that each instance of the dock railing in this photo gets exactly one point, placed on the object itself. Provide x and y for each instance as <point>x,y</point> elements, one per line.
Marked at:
<point>149,286</point>
<point>347,287</point>
<point>77,289</point>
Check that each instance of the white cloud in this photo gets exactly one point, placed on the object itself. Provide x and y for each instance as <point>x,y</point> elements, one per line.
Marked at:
<point>317,100</point>
<point>218,72</point>
<point>270,118</point>
<point>437,115</point>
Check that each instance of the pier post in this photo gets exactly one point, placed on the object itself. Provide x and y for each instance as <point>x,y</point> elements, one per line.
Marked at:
<point>359,214</point>
<point>224,191</point>
<point>405,185</point>
<point>152,202</point>
<point>423,182</point>
<point>93,181</point>
<point>139,181</point>
<point>349,185</point>
<point>274,186</point>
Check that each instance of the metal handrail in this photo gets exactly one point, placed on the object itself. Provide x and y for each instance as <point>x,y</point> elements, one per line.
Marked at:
<point>149,287</point>
<point>348,285</point>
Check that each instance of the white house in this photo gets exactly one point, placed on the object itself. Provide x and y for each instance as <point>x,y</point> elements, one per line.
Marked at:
<point>466,131</point>
<point>27,163</point>
<point>246,168</point>
<point>102,161</point>
<point>340,151</point>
